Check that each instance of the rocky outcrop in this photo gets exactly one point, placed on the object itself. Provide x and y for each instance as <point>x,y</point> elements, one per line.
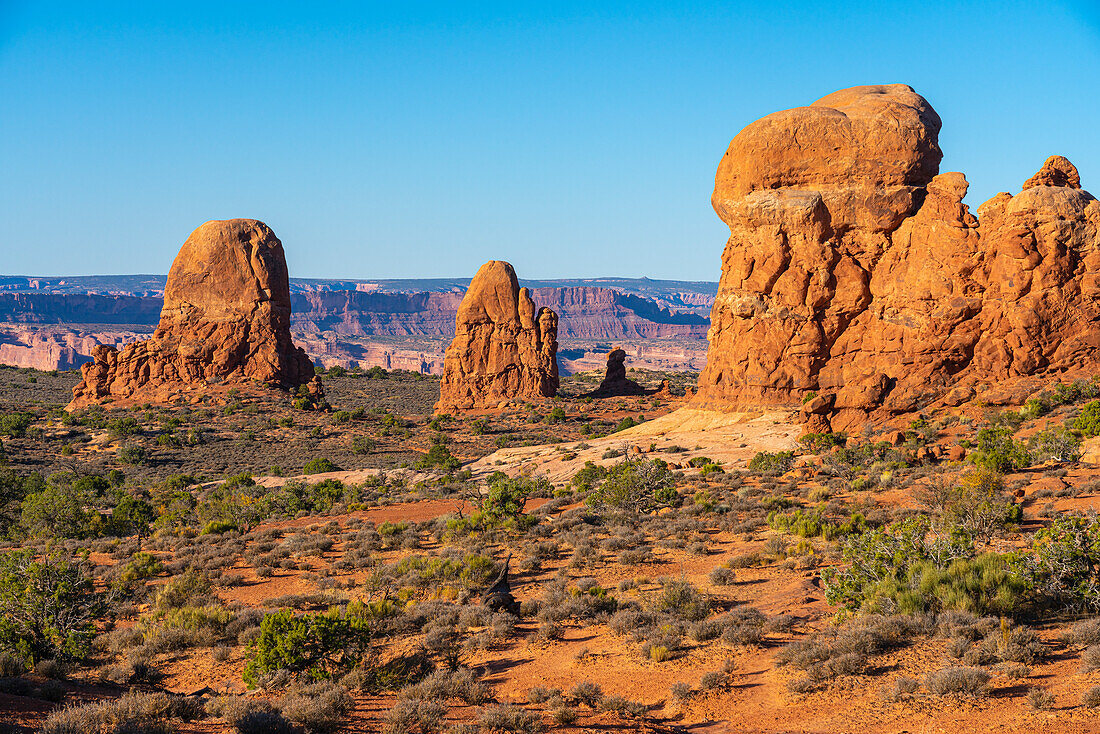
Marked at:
<point>854,272</point>
<point>503,350</point>
<point>615,382</point>
<point>225,321</point>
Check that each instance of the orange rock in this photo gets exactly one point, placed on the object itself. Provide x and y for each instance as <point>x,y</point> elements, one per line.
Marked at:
<point>225,321</point>
<point>615,382</point>
<point>503,349</point>
<point>853,270</point>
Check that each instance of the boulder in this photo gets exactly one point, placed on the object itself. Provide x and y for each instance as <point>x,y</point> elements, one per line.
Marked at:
<point>225,322</point>
<point>854,268</point>
<point>503,349</point>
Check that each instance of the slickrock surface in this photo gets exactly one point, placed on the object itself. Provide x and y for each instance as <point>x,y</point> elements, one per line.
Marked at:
<point>503,350</point>
<point>855,273</point>
<point>225,321</point>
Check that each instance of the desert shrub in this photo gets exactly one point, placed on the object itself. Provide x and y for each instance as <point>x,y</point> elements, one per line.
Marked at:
<point>814,524</point>
<point>509,718</point>
<point>238,501</point>
<point>1085,632</point>
<point>408,714</point>
<point>588,693</point>
<point>958,680</point>
<point>148,713</point>
<point>1055,444</point>
<point>905,568</point>
<point>998,450</point>
<point>901,688</point>
<point>1088,421</point>
<point>773,463</point>
<point>319,465</point>
<point>634,487</point>
<point>48,607</point>
<point>263,721</point>
<point>588,476</point>
<point>320,707</point>
<point>815,443</point>
<point>1091,697</point>
<point>60,510</point>
<point>15,425</point>
<point>142,566</point>
<point>363,445</point>
<point>315,645</point>
<point>1040,699</point>
<point>191,588</point>
<point>1063,565</point>
<point>438,456</point>
<point>294,497</point>
<point>680,598</point>
<point>976,504</point>
<point>722,576</point>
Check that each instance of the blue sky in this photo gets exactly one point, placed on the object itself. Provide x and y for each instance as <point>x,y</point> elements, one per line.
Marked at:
<point>415,139</point>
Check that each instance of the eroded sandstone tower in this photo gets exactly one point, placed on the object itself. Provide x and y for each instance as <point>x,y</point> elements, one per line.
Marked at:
<point>503,349</point>
<point>855,272</point>
<point>225,321</point>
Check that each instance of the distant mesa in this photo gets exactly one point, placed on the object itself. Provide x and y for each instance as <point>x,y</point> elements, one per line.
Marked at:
<point>503,349</point>
<point>615,382</point>
<point>856,284</point>
<point>225,322</point>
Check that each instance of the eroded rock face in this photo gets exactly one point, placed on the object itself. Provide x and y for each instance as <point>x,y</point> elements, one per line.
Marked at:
<point>615,382</point>
<point>503,349</point>
<point>225,320</point>
<point>854,271</point>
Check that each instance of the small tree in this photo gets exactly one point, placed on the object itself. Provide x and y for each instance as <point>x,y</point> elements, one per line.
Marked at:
<point>635,487</point>
<point>318,646</point>
<point>133,515</point>
<point>47,607</point>
<point>999,451</point>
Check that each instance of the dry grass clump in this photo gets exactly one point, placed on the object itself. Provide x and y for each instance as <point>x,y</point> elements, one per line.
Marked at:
<point>958,680</point>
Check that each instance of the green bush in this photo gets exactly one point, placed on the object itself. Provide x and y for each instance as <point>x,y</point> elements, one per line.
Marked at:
<point>438,456</point>
<point>766,461</point>
<point>1062,566</point>
<point>635,487</point>
<point>815,443</point>
<point>48,607</point>
<point>142,566</point>
<point>814,524</point>
<point>999,451</point>
<point>61,510</point>
<point>1088,422</point>
<point>319,465</point>
<point>905,568</point>
<point>132,454</point>
<point>15,425</point>
<point>318,646</point>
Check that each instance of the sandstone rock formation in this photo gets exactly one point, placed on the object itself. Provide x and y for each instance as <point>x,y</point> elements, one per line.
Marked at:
<point>854,272</point>
<point>615,382</point>
<point>225,321</point>
<point>503,350</point>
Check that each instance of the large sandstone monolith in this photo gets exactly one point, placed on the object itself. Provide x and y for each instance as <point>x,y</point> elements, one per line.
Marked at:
<point>503,349</point>
<point>615,382</point>
<point>855,272</point>
<point>225,321</point>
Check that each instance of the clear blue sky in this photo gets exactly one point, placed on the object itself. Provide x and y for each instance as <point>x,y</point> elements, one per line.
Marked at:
<point>414,139</point>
